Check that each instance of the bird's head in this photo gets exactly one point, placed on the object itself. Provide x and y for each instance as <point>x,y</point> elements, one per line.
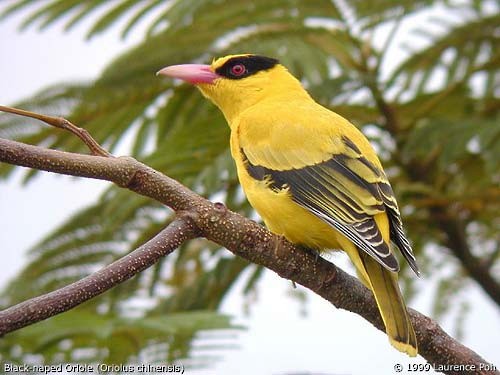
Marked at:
<point>237,82</point>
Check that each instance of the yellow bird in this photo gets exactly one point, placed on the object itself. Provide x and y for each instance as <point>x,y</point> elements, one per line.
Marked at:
<point>311,175</point>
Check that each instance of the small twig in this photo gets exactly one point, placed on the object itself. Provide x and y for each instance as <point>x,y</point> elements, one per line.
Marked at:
<point>56,302</point>
<point>61,123</point>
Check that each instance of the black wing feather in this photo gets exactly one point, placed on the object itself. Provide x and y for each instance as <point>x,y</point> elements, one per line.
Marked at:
<point>320,188</point>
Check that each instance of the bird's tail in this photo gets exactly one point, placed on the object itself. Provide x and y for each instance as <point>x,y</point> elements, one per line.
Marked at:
<point>385,288</point>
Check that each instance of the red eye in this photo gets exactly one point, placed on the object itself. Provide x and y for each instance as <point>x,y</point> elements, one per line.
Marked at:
<point>238,70</point>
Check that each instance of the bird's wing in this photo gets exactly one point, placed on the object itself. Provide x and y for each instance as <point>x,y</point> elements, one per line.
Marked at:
<point>346,191</point>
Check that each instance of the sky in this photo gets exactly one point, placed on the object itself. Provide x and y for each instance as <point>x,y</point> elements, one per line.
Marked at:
<point>279,339</point>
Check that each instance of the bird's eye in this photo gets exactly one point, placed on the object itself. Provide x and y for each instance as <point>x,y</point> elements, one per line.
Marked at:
<point>238,70</point>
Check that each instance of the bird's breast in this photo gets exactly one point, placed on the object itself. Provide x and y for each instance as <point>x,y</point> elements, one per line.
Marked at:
<point>280,213</point>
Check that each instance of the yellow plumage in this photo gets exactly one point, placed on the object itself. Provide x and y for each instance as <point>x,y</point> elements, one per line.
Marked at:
<point>311,175</point>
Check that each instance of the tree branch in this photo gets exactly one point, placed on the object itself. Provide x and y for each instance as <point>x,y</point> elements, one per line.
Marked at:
<point>244,238</point>
<point>61,123</point>
<point>63,299</point>
<point>456,241</point>
<point>454,231</point>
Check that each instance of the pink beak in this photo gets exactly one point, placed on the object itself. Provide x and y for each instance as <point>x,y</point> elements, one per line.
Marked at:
<point>192,73</point>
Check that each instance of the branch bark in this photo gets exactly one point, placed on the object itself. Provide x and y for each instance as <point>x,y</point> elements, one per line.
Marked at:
<point>244,238</point>
<point>64,299</point>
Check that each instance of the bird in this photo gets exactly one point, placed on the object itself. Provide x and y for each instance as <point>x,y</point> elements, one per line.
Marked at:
<point>312,176</point>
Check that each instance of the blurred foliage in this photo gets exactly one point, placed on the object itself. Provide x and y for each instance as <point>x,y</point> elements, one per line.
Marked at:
<point>432,112</point>
<point>110,339</point>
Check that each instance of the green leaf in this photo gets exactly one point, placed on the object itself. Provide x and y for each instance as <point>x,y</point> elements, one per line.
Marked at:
<point>120,339</point>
